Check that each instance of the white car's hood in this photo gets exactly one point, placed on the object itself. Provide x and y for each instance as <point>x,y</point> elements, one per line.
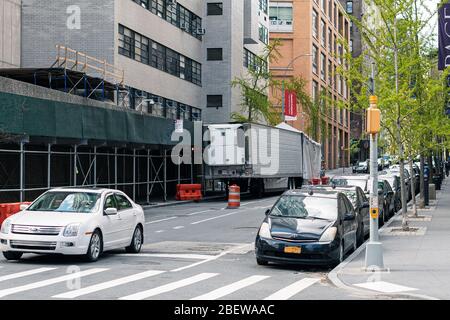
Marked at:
<point>44,218</point>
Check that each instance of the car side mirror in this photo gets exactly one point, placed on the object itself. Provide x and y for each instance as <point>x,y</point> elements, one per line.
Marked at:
<point>110,211</point>
<point>365,205</point>
<point>267,212</point>
<point>24,207</point>
<point>380,192</point>
<point>349,216</point>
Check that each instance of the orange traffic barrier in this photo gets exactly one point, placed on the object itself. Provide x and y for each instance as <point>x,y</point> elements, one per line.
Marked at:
<point>234,197</point>
<point>315,181</point>
<point>9,209</point>
<point>325,180</point>
<point>189,192</point>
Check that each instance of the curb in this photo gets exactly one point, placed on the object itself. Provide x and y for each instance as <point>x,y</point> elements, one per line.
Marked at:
<point>333,275</point>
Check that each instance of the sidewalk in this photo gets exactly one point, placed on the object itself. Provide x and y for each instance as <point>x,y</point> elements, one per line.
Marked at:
<point>418,263</point>
<point>339,172</point>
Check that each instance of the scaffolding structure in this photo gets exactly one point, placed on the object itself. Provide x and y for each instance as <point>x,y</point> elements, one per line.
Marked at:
<point>146,174</point>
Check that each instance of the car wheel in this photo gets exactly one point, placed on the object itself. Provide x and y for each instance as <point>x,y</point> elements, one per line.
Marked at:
<point>261,262</point>
<point>12,255</point>
<point>136,241</point>
<point>95,247</point>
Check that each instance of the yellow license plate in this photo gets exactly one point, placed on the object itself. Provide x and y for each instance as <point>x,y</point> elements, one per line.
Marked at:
<point>296,250</point>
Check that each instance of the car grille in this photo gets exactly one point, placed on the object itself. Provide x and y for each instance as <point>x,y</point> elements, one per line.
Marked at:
<point>37,230</point>
<point>294,240</point>
<point>33,245</point>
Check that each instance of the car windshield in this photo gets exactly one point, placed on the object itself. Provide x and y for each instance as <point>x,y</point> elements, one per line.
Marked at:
<point>305,207</point>
<point>80,202</point>
<point>362,164</point>
<point>350,182</point>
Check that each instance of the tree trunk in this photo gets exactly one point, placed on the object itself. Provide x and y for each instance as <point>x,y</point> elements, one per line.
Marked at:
<point>413,187</point>
<point>422,182</point>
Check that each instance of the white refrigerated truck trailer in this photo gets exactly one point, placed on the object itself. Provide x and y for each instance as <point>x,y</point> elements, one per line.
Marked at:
<point>260,158</point>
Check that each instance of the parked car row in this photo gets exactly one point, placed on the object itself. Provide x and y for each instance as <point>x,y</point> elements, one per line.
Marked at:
<point>321,224</point>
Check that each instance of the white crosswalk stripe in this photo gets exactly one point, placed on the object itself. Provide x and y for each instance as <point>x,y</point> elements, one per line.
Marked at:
<point>108,284</point>
<point>24,273</point>
<point>292,289</point>
<point>169,287</point>
<point>44,283</point>
<point>226,290</point>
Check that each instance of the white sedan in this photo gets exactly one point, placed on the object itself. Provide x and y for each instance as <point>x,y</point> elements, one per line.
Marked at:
<point>74,222</point>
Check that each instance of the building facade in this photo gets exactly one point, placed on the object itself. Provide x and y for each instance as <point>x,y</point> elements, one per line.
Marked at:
<point>314,35</point>
<point>10,21</point>
<point>179,57</point>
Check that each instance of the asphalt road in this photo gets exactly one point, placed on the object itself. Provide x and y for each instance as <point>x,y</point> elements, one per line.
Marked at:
<point>192,251</point>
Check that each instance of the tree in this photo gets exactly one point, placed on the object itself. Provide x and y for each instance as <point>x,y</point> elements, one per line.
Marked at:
<point>398,46</point>
<point>256,106</point>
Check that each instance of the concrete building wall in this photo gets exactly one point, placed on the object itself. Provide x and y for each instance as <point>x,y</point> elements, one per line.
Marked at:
<point>147,78</point>
<point>10,33</point>
<point>46,24</point>
<point>233,31</point>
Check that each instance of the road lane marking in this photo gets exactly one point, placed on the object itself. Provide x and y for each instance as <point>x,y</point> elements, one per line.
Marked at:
<point>156,221</point>
<point>292,289</point>
<point>169,287</point>
<point>108,284</point>
<point>24,274</point>
<point>178,227</point>
<point>159,231</point>
<point>385,287</point>
<point>44,283</point>
<point>194,213</point>
<point>168,255</point>
<point>229,289</point>
<point>213,218</point>
<point>212,258</point>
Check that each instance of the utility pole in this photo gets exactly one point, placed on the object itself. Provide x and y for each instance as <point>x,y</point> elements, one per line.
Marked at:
<point>374,248</point>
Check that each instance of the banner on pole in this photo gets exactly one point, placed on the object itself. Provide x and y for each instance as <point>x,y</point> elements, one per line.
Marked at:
<point>290,102</point>
<point>444,36</point>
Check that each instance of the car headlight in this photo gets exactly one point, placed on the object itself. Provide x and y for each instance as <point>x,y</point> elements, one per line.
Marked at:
<point>264,231</point>
<point>71,230</point>
<point>6,227</point>
<point>328,235</point>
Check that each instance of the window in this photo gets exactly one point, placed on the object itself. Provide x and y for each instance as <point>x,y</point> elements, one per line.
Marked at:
<point>263,5</point>
<point>214,101</point>
<point>330,9</point>
<point>323,67</point>
<point>214,54</point>
<point>324,5</point>
<point>110,202</point>
<point>185,112</point>
<point>330,41</point>
<point>330,73</point>
<point>251,60</point>
<point>140,48</point>
<point>171,109</point>
<point>349,7</point>
<point>175,14</point>
<point>323,30</point>
<point>315,57</point>
<point>196,114</point>
<point>126,42</point>
<point>263,34</point>
<point>214,9</point>
<point>122,202</point>
<point>280,16</point>
<point>315,93</point>
<point>351,45</point>
<point>314,26</point>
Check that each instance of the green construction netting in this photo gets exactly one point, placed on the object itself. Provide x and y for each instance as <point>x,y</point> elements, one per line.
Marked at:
<point>39,117</point>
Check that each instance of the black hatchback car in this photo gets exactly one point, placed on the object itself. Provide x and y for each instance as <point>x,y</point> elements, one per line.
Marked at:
<point>307,227</point>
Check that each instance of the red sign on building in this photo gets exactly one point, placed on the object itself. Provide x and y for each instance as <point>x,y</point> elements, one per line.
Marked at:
<point>290,103</point>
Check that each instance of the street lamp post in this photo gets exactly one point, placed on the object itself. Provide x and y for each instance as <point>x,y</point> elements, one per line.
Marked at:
<point>283,84</point>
